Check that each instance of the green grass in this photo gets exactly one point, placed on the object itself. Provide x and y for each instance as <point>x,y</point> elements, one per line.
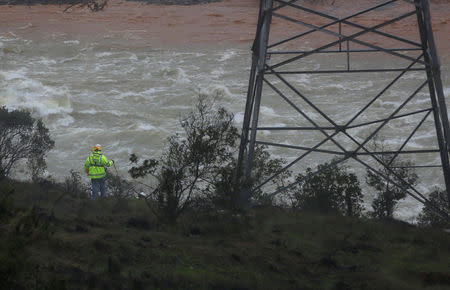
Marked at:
<point>117,244</point>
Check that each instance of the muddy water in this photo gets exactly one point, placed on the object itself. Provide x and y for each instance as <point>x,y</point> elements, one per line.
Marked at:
<point>124,77</point>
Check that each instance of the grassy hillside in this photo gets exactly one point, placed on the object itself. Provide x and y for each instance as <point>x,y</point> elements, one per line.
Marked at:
<point>116,244</point>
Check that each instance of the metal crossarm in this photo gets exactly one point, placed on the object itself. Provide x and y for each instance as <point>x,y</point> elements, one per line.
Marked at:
<point>352,37</point>
<point>278,61</point>
<point>345,20</point>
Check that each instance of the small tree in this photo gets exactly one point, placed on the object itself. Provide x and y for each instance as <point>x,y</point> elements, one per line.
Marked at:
<point>192,161</point>
<point>333,189</point>
<point>23,137</point>
<point>429,216</point>
<point>200,163</point>
<point>392,185</point>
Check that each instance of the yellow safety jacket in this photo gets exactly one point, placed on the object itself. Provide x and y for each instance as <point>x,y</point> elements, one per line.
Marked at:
<point>96,164</point>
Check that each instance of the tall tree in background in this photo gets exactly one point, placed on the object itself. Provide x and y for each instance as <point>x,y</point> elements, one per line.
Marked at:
<point>23,137</point>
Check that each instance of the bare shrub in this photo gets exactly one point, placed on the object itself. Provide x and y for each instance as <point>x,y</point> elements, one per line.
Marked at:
<point>119,187</point>
<point>74,187</point>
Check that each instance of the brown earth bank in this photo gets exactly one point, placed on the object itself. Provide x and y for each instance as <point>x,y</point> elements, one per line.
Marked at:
<point>219,22</point>
<point>71,2</point>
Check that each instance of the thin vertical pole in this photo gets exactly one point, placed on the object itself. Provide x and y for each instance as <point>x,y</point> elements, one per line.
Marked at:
<point>348,55</point>
<point>246,123</point>
<point>249,103</point>
<point>261,43</point>
<point>432,65</point>
<point>436,71</point>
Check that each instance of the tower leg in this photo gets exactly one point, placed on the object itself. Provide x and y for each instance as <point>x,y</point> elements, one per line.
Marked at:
<point>248,137</point>
<point>435,87</point>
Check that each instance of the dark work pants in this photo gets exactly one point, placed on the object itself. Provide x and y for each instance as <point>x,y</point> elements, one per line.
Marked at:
<point>98,183</point>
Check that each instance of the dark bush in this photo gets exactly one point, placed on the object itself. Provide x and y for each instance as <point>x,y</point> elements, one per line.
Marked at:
<point>138,222</point>
<point>391,182</point>
<point>436,213</point>
<point>329,189</point>
<point>6,202</point>
<point>74,187</point>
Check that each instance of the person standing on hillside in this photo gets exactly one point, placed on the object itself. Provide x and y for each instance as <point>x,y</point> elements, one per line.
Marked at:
<point>95,168</point>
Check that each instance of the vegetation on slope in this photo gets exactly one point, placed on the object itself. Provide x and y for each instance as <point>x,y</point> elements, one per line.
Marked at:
<point>78,243</point>
<point>191,232</point>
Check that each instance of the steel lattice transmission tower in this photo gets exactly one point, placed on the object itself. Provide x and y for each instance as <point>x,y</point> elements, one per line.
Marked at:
<point>403,73</point>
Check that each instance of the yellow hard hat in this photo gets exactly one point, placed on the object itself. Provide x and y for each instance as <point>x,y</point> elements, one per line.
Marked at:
<point>97,147</point>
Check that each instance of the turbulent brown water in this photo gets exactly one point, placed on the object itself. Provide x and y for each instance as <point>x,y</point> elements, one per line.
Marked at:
<point>124,76</point>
